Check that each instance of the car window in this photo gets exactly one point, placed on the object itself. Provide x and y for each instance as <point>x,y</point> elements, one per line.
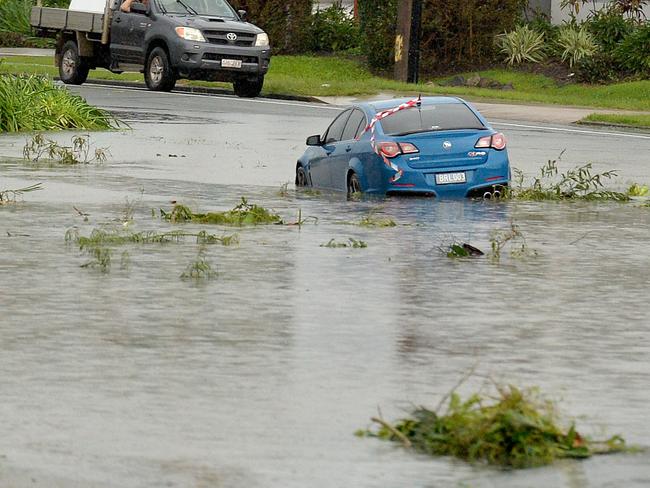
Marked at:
<point>445,116</point>
<point>352,127</point>
<point>336,129</point>
<point>216,8</point>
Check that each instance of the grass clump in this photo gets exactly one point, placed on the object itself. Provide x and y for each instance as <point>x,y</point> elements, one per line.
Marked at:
<point>32,103</point>
<point>241,215</point>
<point>79,152</point>
<point>372,220</point>
<point>578,183</point>
<point>12,196</point>
<point>352,243</point>
<point>512,238</point>
<point>512,428</point>
<point>199,269</point>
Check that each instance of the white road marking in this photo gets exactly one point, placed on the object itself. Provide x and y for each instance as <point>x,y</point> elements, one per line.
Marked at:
<point>578,131</point>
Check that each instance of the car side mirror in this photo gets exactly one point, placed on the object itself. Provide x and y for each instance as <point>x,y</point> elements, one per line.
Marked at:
<point>242,14</point>
<point>139,8</point>
<point>314,140</point>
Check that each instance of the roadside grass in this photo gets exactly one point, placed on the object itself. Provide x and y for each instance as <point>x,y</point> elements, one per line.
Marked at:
<point>331,76</point>
<point>620,119</point>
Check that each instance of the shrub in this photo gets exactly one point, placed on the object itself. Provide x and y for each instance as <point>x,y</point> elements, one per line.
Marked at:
<point>602,67</point>
<point>286,22</point>
<point>14,17</point>
<point>34,103</point>
<point>333,30</point>
<point>377,24</point>
<point>522,45</point>
<point>633,53</point>
<point>608,28</point>
<point>575,44</point>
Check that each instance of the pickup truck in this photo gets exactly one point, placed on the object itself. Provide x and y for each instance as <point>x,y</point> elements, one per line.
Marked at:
<point>164,39</point>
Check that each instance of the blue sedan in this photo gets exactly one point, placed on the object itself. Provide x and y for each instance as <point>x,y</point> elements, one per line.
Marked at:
<point>438,146</point>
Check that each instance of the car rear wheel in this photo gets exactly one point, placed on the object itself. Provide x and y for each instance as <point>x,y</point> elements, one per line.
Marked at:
<point>158,73</point>
<point>73,70</point>
<point>246,88</point>
<point>301,177</point>
<point>354,186</point>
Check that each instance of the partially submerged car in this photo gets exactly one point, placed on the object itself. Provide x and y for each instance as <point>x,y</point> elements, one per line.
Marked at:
<point>438,146</point>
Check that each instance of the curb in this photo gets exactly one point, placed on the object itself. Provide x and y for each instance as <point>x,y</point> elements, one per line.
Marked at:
<point>611,124</point>
<point>202,90</point>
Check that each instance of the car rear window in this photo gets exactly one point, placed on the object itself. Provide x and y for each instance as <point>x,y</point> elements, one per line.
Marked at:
<point>446,116</point>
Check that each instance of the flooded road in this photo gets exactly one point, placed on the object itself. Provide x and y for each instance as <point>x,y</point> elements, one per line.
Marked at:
<point>259,378</point>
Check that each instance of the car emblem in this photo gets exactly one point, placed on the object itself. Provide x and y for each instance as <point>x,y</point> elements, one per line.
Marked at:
<point>446,145</point>
<point>231,36</point>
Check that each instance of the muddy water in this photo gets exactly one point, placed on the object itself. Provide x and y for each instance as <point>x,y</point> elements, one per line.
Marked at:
<point>136,378</point>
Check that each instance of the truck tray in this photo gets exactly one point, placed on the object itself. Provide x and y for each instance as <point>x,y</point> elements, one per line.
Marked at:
<point>63,19</point>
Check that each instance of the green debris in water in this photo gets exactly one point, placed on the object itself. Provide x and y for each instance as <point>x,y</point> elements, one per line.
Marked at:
<point>636,190</point>
<point>372,220</point>
<point>461,250</point>
<point>199,269</point>
<point>12,196</point>
<point>81,151</point>
<point>241,215</point>
<point>353,243</point>
<point>515,428</point>
<point>578,183</point>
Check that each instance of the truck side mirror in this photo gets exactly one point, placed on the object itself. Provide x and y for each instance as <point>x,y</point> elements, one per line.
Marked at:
<point>314,140</point>
<point>139,8</point>
<point>242,14</point>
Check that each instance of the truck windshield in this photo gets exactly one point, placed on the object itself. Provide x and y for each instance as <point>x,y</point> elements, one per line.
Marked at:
<point>212,8</point>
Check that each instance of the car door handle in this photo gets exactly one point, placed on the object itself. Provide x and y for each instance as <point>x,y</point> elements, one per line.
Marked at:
<point>348,149</point>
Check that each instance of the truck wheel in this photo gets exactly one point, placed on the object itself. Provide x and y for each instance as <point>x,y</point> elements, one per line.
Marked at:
<point>158,73</point>
<point>248,88</point>
<point>73,70</point>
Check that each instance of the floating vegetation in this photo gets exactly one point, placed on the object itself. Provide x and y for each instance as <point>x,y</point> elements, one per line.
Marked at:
<point>636,190</point>
<point>243,214</point>
<point>82,151</point>
<point>100,242</point>
<point>31,103</point>
<point>372,220</point>
<point>284,190</point>
<point>199,269</point>
<point>12,196</point>
<point>310,192</point>
<point>511,427</point>
<point>578,183</point>
<point>461,250</point>
<point>511,238</point>
<point>353,243</point>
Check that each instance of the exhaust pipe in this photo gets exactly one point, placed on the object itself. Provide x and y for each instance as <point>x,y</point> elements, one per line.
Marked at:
<point>487,195</point>
<point>497,194</point>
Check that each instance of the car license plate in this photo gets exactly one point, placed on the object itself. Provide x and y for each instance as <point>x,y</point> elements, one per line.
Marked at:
<point>449,178</point>
<point>231,63</point>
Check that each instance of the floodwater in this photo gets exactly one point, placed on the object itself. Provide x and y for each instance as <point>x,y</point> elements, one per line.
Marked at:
<point>259,378</point>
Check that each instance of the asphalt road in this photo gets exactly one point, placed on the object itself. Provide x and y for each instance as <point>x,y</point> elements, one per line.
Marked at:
<point>223,139</point>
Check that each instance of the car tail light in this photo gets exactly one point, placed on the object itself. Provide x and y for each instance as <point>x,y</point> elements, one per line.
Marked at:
<point>408,148</point>
<point>389,149</point>
<point>392,149</point>
<point>496,141</point>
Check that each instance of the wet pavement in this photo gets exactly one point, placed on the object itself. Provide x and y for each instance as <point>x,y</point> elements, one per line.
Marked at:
<point>136,378</point>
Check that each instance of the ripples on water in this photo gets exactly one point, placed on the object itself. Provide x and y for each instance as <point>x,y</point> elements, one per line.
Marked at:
<point>260,377</point>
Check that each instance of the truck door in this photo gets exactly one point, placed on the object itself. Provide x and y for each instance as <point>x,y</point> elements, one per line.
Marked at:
<point>127,36</point>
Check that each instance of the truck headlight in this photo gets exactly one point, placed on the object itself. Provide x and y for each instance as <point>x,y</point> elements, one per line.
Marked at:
<point>262,40</point>
<point>190,34</point>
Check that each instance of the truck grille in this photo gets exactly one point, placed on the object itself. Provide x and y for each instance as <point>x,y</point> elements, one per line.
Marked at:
<point>219,57</point>
<point>220,37</point>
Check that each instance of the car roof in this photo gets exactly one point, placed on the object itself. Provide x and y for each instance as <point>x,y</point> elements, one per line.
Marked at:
<point>380,105</point>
